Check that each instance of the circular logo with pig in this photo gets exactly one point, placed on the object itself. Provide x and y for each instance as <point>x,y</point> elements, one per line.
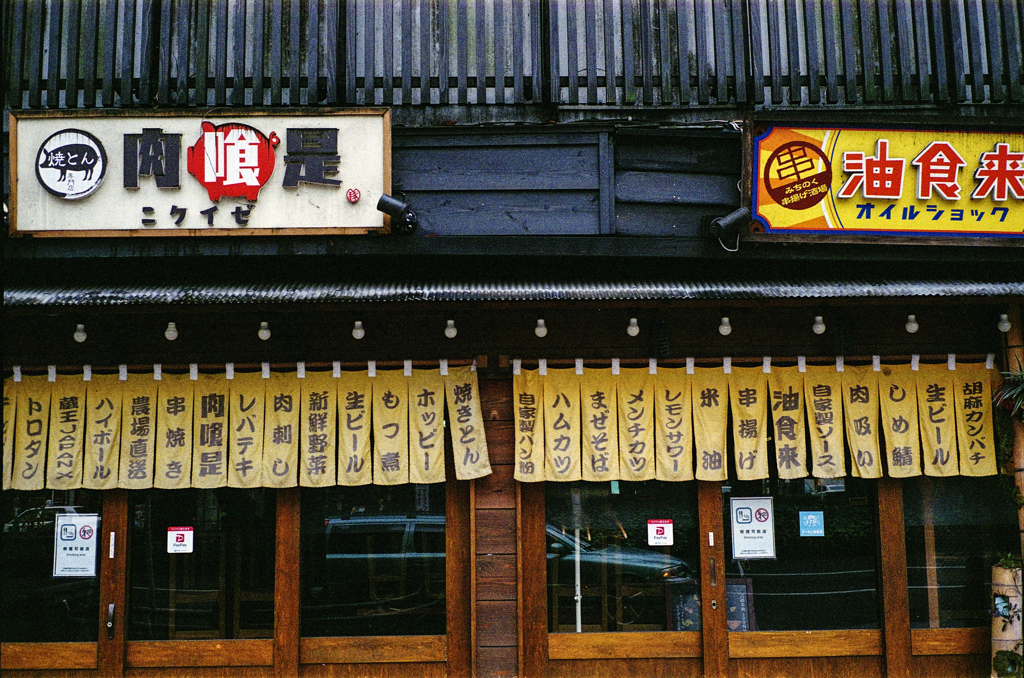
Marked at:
<point>232,160</point>
<point>71,164</point>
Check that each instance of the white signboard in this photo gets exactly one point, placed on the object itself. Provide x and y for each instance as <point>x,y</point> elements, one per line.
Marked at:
<point>659,533</point>
<point>76,538</point>
<point>180,539</point>
<point>212,173</point>
<point>753,527</point>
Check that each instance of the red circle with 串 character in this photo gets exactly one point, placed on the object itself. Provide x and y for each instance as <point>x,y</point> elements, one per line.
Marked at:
<point>85,532</point>
<point>798,175</point>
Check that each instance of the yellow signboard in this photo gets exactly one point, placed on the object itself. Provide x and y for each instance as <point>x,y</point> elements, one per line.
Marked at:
<point>870,181</point>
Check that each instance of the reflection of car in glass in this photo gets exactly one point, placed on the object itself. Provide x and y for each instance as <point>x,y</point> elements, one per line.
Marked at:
<point>387,571</point>
<point>37,522</point>
<point>621,587</point>
<point>635,565</point>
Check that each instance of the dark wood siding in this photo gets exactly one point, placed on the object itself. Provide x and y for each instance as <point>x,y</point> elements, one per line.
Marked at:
<point>423,53</point>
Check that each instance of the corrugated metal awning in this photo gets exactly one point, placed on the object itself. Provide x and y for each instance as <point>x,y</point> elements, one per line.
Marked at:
<point>503,291</point>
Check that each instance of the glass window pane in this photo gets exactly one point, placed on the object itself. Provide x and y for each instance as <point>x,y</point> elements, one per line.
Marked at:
<point>598,541</point>
<point>38,607</point>
<point>824,576</point>
<point>956,529</point>
<point>373,560</point>
<point>224,587</point>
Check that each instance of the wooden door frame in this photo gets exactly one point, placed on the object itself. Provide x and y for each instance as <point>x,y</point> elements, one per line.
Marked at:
<point>286,650</point>
<point>895,644</point>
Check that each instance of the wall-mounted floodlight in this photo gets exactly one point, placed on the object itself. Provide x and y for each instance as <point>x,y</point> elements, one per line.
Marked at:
<point>729,226</point>
<point>403,220</point>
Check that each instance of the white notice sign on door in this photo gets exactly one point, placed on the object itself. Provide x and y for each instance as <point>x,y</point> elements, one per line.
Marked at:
<point>75,540</point>
<point>753,527</point>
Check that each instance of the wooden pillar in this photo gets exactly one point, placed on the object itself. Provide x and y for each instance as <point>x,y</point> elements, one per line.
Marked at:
<point>711,535</point>
<point>893,551</point>
<point>1014,361</point>
<point>113,560</point>
<point>286,584</point>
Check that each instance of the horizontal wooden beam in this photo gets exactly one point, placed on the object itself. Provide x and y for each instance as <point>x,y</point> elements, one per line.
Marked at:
<point>197,653</point>
<point>951,641</point>
<point>623,645</point>
<point>47,656</point>
<point>384,649</point>
<point>805,644</point>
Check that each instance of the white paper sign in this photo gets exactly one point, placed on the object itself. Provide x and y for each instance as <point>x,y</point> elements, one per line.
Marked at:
<point>753,527</point>
<point>659,533</point>
<point>75,542</point>
<point>180,539</point>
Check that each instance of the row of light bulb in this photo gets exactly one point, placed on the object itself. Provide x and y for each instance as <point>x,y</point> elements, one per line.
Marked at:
<point>912,325</point>
<point>541,330</point>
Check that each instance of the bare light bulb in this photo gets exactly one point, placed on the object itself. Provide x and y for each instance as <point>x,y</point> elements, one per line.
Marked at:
<point>633,328</point>
<point>357,330</point>
<point>80,334</point>
<point>912,325</point>
<point>819,325</point>
<point>264,332</point>
<point>541,330</point>
<point>1004,323</point>
<point>171,333</point>
<point>450,330</point>
<point>725,329</point>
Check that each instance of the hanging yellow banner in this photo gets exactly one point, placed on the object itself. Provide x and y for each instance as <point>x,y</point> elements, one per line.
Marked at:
<point>973,398</point>
<point>355,466</point>
<point>426,427</point>
<point>10,407</point>
<point>30,436</point>
<point>469,440</point>
<point>787,392</point>
<point>528,411</point>
<point>748,398</point>
<point>823,389</point>
<point>175,395</point>
<point>210,432</point>
<point>390,428</point>
<point>860,401</point>
<point>897,392</point>
<point>248,392</point>
<point>937,415</point>
<point>673,423</point>
<point>102,432</point>
<point>599,426</point>
<point>138,432</point>
<point>636,424</point>
<point>709,390</point>
<point>64,458</point>
<point>319,416</point>
<point>562,425</point>
<point>281,431</point>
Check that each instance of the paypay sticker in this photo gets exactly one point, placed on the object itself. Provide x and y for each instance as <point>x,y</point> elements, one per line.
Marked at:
<point>180,539</point>
<point>659,533</point>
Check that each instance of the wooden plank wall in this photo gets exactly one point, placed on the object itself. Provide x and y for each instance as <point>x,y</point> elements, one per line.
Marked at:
<point>496,538</point>
<point>670,184</point>
<point>418,53</point>
<point>502,183</point>
<point>632,182</point>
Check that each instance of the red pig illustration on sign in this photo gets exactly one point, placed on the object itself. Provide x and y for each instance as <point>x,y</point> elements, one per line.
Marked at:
<point>232,160</point>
